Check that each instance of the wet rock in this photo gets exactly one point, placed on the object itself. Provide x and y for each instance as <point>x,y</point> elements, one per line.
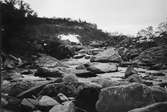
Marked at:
<point>124,98</point>
<point>108,55</point>
<point>156,107</point>
<point>129,71</point>
<point>102,67</point>
<point>66,107</point>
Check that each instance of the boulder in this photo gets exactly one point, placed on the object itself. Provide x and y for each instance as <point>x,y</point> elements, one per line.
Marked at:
<point>155,107</point>
<point>154,57</point>
<point>135,78</point>
<point>29,104</point>
<point>129,71</point>
<point>102,67</point>
<point>33,91</point>
<point>108,55</point>
<point>46,101</point>
<point>87,98</point>
<point>50,67</point>
<point>159,94</point>
<point>124,98</point>
<point>85,73</point>
<point>14,88</point>
<point>69,89</point>
<point>79,56</point>
<point>66,107</point>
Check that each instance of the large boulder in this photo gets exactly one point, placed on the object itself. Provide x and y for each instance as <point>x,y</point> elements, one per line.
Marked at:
<point>50,67</point>
<point>154,57</point>
<point>156,107</point>
<point>108,55</point>
<point>124,98</point>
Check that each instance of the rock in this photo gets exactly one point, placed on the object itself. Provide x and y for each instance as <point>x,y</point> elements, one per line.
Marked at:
<point>49,72</point>
<point>67,107</point>
<point>107,82</point>
<point>129,71</point>
<point>102,67</point>
<point>14,88</point>
<point>124,98</point>
<point>70,79</point>
<point>159,94</point>
<point>80,67</point>
<point>87,98</point>
<point>35,90</point>
<point>11,103</point>
<point>135,78</point>
<point>62,98</point>
<point>85,73</point>
<point>156,107</point>
<point>68,89</point>
<point>153,56</point>
<point>46,101</point>
<point>79,56</point>
<point>87,57</point>
<point>108,55</point>
<point>29,104</point>
<point>50,67</point>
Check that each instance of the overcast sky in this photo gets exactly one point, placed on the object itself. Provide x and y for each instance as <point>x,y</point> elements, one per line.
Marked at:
<point>126,16</point>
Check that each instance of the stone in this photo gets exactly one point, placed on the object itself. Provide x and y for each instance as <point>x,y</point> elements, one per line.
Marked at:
<point>85,73</point>
<point>33,91</point>
<point>46,101</point>
<point>102,67</point>
<point>14,88</point>
<point>159,94</point>
<point>155,107</point>
<point>108,55</point>
<point>124,98</point>
<point>70,89</point>
<point>66,107</point>
<point>87,98</point>
<point>154,57</point>
<point>62,98</point>
<point>129,71</point>
<point>79,56</point>
<point>29,103</point>
<point>135,78</point>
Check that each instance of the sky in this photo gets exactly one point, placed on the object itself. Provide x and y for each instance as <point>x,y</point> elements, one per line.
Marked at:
<point>125,16</point>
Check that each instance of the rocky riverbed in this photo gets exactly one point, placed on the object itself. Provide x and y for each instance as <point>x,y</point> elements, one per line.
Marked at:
<point>93,80</point>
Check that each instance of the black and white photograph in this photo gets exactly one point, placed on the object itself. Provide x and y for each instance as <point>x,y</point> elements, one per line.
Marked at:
<point>83,55</point>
